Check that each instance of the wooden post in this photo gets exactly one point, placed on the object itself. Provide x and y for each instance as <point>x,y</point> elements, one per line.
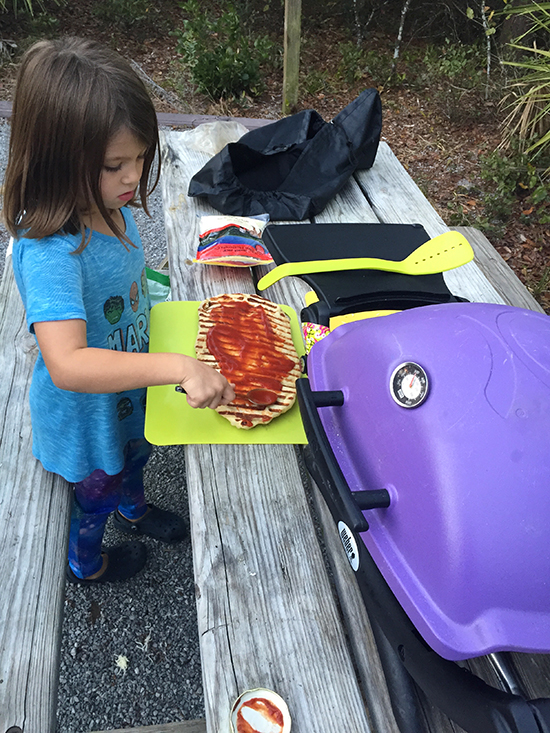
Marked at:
<point>291,65</point>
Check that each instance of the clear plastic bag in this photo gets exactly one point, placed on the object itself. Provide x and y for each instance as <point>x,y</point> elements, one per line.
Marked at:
<point>211,137</point>
<point>233,241</point>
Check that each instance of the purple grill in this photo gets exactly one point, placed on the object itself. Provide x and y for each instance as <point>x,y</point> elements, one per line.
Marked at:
<point>430,428</point>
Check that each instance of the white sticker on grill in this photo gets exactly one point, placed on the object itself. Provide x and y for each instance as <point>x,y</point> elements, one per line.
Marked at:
<point>350,545</point>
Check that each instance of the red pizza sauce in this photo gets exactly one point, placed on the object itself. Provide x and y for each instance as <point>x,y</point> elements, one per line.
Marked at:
<point>267,709</point>
<point>248,351</point>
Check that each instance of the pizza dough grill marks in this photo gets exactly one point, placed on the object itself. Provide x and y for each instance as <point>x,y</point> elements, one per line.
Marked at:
<point>253,341</point>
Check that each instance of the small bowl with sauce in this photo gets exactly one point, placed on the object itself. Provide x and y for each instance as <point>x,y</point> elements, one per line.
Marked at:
<point>260,711</point>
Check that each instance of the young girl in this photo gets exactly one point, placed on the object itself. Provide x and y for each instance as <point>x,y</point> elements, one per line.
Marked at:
<point>83,139</point>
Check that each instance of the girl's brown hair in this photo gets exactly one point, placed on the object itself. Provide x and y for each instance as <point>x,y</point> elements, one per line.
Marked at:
<point>72,96</point>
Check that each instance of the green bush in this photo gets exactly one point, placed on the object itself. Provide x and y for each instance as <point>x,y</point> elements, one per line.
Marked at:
<point>454,60</point>
<point>511,181</point>
<point>33,19</point>
<point>26,7</point>
<point>510,176</point>
<point>351,67</point>
<point>222,58</point>
<point>316,82</point>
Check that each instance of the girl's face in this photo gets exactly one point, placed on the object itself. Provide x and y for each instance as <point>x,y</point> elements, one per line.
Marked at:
<point>122,169</point>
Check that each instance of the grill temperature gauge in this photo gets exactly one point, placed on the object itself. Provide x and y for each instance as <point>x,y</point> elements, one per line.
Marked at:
<point>409,384</point>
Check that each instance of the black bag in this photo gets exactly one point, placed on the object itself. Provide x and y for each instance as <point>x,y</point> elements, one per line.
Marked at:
<point>293,167</point>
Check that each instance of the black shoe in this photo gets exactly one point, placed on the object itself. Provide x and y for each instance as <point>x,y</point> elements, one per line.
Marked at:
<point>125,561</point>
<point>157,523</point>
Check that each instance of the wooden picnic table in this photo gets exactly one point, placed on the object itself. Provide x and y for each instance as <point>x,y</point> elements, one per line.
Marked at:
<point>266,612</point>
<point>277,602</point>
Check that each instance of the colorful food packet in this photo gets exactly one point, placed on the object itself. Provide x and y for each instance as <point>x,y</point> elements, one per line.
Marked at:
<point>312,333</point>
<point>233,241</point>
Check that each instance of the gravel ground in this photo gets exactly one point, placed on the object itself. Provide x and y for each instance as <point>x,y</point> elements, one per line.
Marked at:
<point>130,651</point>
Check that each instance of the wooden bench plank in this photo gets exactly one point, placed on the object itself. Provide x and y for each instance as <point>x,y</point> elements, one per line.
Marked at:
<point>351,206</point>
<point>34,512</point>
<point>266,612</point>
<point>172,119</point>
<point>348,207</point>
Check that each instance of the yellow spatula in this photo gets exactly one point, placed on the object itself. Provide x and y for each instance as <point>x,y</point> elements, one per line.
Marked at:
<point>445,252</point>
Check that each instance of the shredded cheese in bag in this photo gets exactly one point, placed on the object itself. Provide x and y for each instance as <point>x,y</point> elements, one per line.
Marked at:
<point>233,241</point>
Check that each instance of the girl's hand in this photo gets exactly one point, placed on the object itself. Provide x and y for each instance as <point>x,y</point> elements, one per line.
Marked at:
<point>206,387</point>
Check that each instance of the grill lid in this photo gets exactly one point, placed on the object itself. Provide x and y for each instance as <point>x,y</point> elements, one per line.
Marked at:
<point>447,407</point>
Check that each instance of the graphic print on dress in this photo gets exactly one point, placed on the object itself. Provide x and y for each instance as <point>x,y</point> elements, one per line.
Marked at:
<point>113,309</point>
<point>136,337</point>
<point>134,296</point>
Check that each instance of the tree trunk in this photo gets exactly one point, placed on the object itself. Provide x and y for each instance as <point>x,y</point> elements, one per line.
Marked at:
<point>404,11</point>
<point>291,64</point>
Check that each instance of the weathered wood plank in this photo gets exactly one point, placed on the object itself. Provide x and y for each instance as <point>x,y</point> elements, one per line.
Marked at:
<point>357,622</point>
<point>395,198</point>
<point>502,277</point>
<point>266,612</point>
<point>34,513</point>
<point>349,207</point>
<point>170,119</point>
<point>185,726</point>
<point>534,671</point>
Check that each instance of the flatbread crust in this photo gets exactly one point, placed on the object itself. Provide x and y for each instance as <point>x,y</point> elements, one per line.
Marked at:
<point>248,339</point>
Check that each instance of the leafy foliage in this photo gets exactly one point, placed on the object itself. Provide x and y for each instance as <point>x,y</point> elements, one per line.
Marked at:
<point>511,177</point>
<point>316,82</point>
<point>529,97</point>
<point>454,60</point>
<point>222,57</point>
<point>455,72</point>
<point>14,6</point>
<point>352,64</point>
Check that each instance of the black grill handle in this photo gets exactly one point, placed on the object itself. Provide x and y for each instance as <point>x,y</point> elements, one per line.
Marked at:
<point>372,498</point>
<point>344,504</point>
<point>327,398</point>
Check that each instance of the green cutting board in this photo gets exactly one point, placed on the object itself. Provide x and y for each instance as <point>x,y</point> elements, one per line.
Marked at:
<point>168,418</point>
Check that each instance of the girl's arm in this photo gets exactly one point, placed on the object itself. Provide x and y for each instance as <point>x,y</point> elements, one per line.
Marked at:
<point>75,366</point>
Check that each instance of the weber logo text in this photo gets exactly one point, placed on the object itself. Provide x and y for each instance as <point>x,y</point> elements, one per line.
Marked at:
<point>349,544</point>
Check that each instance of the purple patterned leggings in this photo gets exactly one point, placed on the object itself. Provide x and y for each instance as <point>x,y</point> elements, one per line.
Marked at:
<point>99,495</point>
